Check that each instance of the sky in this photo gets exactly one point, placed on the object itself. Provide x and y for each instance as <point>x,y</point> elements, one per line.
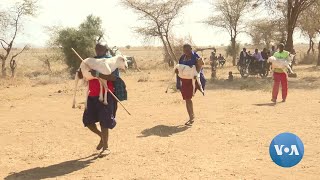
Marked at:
<point>118,23</point>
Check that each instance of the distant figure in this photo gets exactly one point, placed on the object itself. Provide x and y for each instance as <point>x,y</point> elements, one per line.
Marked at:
<point>214,64</point>
<point>264,54</point>
<point>221,60</point>
<point>258,60</point>
<point>280,76</point>
<point>257,55</point>
<point>243,56</point>
<point>230,77</point>
<point>213,59</point>
<point>273,50</point>
<point>189,58</point>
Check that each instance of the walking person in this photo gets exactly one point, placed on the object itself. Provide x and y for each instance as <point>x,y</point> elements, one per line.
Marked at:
<point>189,58</point>
<point>280,76</point>
<point>96,111</point>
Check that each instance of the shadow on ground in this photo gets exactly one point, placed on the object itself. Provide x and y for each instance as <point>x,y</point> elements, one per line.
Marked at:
<point>250,83</point>
<point>163,131</point>
<point>266,104</point>
<point>53,171</point>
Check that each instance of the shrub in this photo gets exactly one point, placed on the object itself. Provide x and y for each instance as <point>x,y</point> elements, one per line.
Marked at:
<point>82,39</point>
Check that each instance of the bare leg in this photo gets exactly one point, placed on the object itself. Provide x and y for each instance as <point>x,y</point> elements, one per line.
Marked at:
<point>189,105</point>
<point>105,137</point>
<point>194,86</point>
<point>95,130</point>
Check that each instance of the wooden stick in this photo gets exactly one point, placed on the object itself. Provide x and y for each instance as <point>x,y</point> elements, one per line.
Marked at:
<point>115,97</point>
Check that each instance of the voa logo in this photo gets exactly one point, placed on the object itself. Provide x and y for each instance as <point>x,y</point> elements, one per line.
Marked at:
<point>286,150</point>
<point>280,149</point>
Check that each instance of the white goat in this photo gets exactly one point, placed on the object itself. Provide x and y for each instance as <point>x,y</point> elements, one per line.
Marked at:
<point>104,66</point>
<point>281,63</point>
<point>187,72</point>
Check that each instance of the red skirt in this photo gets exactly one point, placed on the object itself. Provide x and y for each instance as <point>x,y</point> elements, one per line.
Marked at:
<point>187,89</point>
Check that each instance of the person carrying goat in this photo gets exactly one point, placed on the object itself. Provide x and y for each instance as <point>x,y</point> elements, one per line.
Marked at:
<point>96,111</point>
<point>189,58</point>
<point>280,75</point>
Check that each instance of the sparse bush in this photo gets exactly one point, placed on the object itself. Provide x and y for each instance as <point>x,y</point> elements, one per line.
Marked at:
<point>48,59</point>
<point>128,46</point>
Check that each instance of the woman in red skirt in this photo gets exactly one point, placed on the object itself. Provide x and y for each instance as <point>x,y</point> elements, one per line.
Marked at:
<point>189,58</point>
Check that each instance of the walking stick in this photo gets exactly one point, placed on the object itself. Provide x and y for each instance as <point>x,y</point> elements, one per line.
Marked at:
<point>115,97</point>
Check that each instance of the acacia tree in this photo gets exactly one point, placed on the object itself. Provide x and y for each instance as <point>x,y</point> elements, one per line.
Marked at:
<point>158,17</point>
<point>309,24</point>
<point>262,32</point>
<point>267,31</point>
<point>229,17</point>
<point>11,22</point>
<point>292,9</point>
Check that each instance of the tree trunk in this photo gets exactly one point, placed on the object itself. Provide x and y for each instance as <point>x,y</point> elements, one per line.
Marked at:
<point>318,64</point>
<point>289,43</point>
<point>171,50</point>
<point>169,61</point>
<point>310,45</point>
<point>12,73</point>
<point>3,68</point>
<point>233,47</point>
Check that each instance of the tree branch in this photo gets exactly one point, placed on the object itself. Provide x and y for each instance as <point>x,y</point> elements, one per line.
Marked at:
<point>24,48</point>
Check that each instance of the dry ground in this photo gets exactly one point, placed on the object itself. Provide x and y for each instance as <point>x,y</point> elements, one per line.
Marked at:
<point>41,136</point>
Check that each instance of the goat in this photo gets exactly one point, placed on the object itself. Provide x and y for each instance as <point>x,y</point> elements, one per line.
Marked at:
<point>281,63</point>
<point>187,72</point>
<point>104,66</point>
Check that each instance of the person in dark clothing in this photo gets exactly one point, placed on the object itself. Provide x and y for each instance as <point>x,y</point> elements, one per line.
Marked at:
<point>243,56</point>
<point>96,111</point>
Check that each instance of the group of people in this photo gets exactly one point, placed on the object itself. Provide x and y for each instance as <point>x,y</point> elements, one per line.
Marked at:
<point>217,60</point>
<point>257,56</point>
<point>96,111</point>
<point>279,75</point>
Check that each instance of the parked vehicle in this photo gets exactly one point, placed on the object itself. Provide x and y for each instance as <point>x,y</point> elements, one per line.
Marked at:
<point>252,67</point>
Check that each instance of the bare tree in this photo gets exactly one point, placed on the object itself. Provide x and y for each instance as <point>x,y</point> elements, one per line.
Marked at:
<point>13,21</point>
<point>292,10</point>
<point>308,22</point>
<point>13,63</point>
<point>229,17</point>
<point>158,16</point>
